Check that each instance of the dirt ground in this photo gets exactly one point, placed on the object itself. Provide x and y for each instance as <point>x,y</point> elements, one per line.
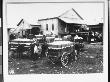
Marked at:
<point>0,59</point>
<point>90,61</point>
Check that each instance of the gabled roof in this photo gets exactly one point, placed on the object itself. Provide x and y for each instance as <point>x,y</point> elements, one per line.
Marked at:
<point>47,18</point>
<point>24,24</point>
<point>27,22</point>
<point>70,21</point>
<point>70,16</point>
<point>20,22</point>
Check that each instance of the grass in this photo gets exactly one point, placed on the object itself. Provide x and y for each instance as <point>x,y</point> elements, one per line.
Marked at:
<point>0,55</point>
<point>0,59</point>
<point>90,61</point>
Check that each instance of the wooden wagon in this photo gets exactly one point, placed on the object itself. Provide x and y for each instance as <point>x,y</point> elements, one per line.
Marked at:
<point>13,44</point>
<point>60,50</point>
<point>20,46</point>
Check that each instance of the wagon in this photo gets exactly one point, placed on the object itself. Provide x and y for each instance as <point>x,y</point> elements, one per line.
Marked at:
<point>60,51</point>
<point>13,44</point>
<point>48,39</point>
<point>27,46</point>
<point>20,47</point>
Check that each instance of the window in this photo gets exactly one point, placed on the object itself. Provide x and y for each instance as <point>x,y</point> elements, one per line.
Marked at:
<point>46,26</point>
<point>52,26</point>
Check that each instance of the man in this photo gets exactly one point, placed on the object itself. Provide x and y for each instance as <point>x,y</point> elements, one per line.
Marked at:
<point>44,46</point>
<point>78,46</point>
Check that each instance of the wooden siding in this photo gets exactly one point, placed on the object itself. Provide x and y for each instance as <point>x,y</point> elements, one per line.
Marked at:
<point>49,22</point>
<point>61,26</point>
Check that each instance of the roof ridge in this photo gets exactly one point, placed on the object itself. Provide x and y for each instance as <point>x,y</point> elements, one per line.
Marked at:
<point>73,10</point>
<point>20,22</point>
<point>63,13</point>
<point>77,13</point>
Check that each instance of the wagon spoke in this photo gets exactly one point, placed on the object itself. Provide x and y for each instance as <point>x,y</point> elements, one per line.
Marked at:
<point>64,59</point>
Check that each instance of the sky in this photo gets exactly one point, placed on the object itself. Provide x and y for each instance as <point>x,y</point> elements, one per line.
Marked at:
<point>33,11</point>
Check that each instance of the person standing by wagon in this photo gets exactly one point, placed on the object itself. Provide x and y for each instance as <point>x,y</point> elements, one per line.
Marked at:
<point>44,46</point>
<point>34,50</point>
<point>77,47</point>
<point>20,50</point>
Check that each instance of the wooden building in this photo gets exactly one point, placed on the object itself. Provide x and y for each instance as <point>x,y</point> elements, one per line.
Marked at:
<point>96,28</point>
<point>67,23</point>
<point>24,28</point>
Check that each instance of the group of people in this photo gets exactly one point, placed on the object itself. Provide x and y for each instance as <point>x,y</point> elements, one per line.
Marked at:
<point>98,37</point>
<point>35,50</point>
<point>38,49</point>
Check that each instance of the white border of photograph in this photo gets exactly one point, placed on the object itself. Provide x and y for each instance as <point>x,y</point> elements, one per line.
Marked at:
<point>95,77</point>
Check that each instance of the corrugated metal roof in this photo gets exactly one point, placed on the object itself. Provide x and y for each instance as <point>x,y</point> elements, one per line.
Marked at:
<point>92,22</point>
<point>71,14</point>
<point>69,20</point>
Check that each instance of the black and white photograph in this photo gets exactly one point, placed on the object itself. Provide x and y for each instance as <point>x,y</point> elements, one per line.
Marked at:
<point>1,40</point>
<point>55,38</point>
<point>109,28</point>
<point>0,51</point>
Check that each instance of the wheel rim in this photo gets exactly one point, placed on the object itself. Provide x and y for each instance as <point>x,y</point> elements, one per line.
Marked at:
<point>64,59</point>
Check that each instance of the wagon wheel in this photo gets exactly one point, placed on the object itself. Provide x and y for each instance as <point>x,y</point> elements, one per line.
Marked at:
<point>11,53</point>
<point>64,59</point>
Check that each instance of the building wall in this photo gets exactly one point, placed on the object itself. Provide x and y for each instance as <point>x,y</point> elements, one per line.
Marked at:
<point>21,29</point>
<point>96,28</point>
<point>62,27</point>
<point>35,30</point>
<point>49,22</point>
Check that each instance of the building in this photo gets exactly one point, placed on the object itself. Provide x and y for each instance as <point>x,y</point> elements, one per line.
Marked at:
<point>67,23</point>
<point>96,28</point>
<point>24,28</point>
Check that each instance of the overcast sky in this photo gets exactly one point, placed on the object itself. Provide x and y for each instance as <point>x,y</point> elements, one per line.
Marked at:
<point>34,11</point>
